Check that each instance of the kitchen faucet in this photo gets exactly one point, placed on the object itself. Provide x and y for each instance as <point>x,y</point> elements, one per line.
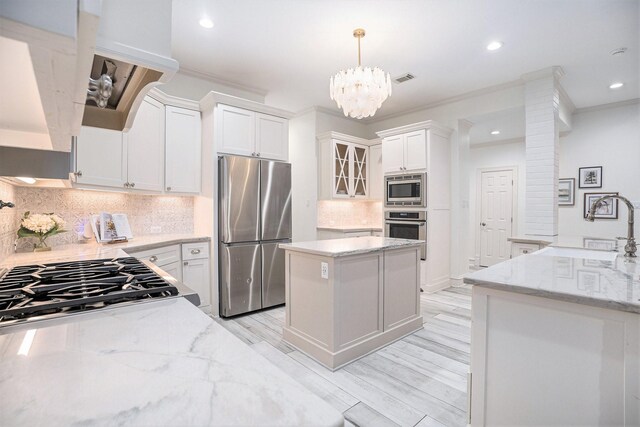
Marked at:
<point>630,248</point>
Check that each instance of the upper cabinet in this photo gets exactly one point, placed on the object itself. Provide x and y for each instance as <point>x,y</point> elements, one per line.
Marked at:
<point>101,158</point>
<point>145,148</point>
<point>161,152</point>
<point>404,152</point>
<point>183,150</point>
<point>343,167</point>
<point>249,133</point>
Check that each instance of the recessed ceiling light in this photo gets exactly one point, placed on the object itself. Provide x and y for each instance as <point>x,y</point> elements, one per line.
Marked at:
<point>495,45</point>
<point>495,132</point>
<point>616,85</point>
<point>206,23</point>
<point>26,180</point>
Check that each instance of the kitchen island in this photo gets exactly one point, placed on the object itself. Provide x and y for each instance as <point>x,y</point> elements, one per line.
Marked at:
<point>348,297</point>
<point>556,340</point>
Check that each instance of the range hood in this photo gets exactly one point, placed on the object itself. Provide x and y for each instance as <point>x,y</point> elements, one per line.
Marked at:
<point>129,60</point>
<point>41,164</point>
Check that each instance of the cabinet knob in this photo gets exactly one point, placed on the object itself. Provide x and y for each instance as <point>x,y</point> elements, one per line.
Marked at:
<point>185,263</point>
<point>253,154</point>
<point>525,251</point>
<point>153,258</point>
<point>126,184</point>
<point>133,184</point>
<point>168,188</point>
<point>78,174</point>
<point>257,154</point>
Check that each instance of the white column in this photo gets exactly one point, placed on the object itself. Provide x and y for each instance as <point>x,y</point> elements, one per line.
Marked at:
<point>460,242</point>
<point>542,103</point>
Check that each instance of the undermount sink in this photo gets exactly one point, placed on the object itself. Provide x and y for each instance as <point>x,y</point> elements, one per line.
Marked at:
<point>578,253</point>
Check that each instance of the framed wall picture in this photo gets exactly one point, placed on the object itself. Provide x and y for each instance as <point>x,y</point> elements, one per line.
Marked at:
<point>608,208</point>
<point>590,177</point>
<point>566,192</point>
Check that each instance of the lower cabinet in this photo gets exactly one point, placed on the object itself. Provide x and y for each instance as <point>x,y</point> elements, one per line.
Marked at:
<point>188,263</point>
<point>519,248</point>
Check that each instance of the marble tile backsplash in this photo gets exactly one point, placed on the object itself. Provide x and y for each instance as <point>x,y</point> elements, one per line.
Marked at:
<point>8,218</point>
<point>345,213</point>
<point>147,214</point>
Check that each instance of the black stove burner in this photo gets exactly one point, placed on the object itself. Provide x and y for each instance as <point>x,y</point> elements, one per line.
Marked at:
<point>36,290</point>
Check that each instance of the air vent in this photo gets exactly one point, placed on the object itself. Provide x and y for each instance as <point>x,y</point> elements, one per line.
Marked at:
<point>403,78</point>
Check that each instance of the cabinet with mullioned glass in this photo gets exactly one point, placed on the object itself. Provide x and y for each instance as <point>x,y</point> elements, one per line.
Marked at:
<point>344,168</point>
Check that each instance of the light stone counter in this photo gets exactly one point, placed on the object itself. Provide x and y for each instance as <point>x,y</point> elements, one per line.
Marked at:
<point>565,241</point>
<point>613,285</point>
<point>350,246</point>
<point>348,228</point>
<point>158,363</point>
<point>94,250</point>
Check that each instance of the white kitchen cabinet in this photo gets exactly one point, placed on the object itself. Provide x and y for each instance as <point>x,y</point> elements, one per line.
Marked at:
<point>145,148</point>
<point>249,133</point>
<point>183,150</point>
<point>101,158</point>
<point>404,152</point>
<point>343,168</point>
<point>174,270</point>
<point>519,248</point>
<point>376,176</point>
<point>195,274</point>
<point>272,137</point>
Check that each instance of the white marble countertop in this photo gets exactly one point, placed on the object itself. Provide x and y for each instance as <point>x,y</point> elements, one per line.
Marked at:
<point>349,246</point>
<point>348,228</point>
<point>613,285</point>
<point>569,241</point>
<point>94,250</point>
<point>158,363</point>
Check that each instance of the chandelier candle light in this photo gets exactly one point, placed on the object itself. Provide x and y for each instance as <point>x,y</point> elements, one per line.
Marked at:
<point>360,91</point>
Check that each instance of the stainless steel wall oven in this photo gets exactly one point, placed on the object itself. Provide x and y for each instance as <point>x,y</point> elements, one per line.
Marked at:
<point>407,225</point>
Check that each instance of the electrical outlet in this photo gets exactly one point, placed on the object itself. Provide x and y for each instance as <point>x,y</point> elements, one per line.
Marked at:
<point>324,270</point>
<point>155,229</point>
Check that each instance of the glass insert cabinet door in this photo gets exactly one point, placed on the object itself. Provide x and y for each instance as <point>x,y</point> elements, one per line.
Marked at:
<point>350,170</point>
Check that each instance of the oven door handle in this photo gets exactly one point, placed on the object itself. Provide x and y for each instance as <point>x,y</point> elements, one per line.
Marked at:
<point>420,223</point>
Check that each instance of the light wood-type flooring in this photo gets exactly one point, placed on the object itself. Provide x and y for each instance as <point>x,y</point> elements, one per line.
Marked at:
<point>420,380</point>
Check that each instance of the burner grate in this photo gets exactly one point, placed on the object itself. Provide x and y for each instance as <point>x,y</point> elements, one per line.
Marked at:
<point>37,290</point>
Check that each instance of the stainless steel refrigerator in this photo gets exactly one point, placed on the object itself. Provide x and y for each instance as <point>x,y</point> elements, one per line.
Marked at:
<point>254,216</point>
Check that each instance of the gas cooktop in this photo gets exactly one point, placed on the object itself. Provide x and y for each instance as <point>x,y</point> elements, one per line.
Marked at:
<point>38,291</point>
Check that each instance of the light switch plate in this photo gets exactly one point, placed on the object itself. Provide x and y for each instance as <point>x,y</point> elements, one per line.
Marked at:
<point>324,270</point>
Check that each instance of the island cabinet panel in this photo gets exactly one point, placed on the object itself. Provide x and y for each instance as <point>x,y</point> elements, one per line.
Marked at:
<point>401,290</point>
<point>309,296</point>
<point>537,361</point>
<point>358,299</point>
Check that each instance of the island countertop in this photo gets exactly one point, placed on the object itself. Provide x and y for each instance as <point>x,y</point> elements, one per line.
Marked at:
<point>613,285</point>
<point>155,363</point>
<point>350,246</point>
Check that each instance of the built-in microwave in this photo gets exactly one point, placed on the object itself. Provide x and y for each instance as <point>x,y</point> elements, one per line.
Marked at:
<point>406,190</point>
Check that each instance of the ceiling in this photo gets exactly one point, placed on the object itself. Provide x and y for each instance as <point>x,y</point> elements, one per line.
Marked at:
<point>510,123</point>
<point>288,49</point>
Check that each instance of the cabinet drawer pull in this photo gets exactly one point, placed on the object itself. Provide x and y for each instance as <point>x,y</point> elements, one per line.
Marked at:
<point>525,251</point>
<point>195,251</point>
<point>153,258</point>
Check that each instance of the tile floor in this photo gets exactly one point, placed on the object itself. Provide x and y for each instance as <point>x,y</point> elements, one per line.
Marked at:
<point>420,380</point>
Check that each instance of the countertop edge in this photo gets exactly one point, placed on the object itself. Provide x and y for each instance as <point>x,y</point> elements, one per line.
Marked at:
<point>576,299</point>
<point>147,246</point>
<point>349,229</point>
<point>347,253</point>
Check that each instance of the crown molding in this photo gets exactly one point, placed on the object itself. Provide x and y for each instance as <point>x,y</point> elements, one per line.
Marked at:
<point>166,99</point>
<point>564,99</point>
<point>632,101</point>
<point>215,79</point>
<point>497,143</point>
<point>210,100</point>
<point>346,138</point>
<point>428,124</point>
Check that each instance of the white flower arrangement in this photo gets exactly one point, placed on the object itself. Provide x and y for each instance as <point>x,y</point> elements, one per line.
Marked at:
<point>41,226</point>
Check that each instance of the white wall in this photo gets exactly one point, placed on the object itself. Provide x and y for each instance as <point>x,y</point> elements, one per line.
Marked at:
<point>304,176</point>
<point>607,137</point>
<point>333,122</point>
<point>494,156</point>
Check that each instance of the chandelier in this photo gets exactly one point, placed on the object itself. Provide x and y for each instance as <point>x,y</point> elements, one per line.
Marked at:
<point>360,91</point>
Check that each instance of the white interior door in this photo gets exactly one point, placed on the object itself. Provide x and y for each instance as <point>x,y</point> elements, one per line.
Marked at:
<point>496,216</point>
